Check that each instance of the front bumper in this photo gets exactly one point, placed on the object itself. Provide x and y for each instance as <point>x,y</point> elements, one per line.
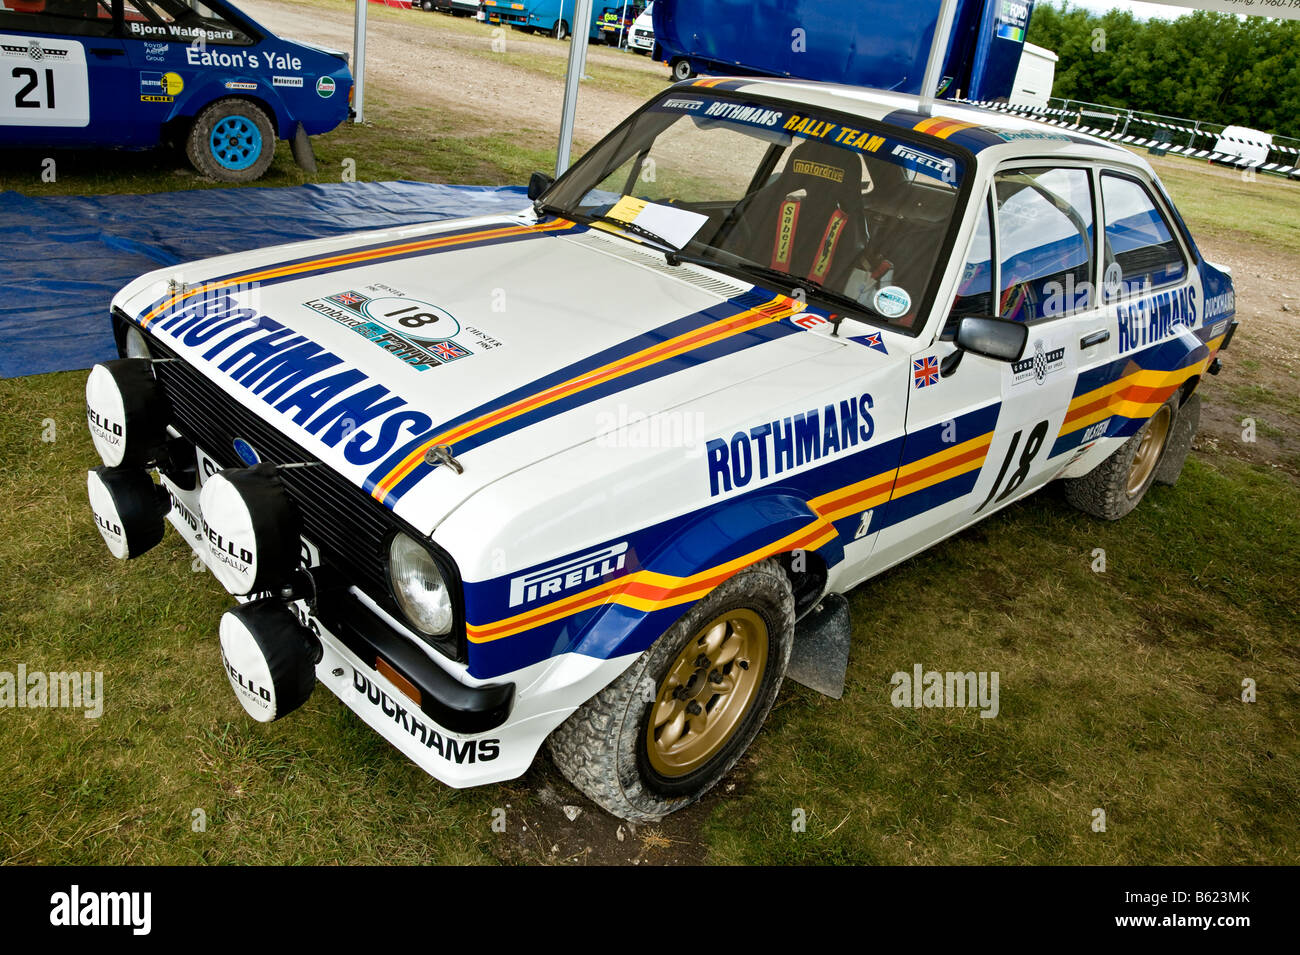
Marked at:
<point>461,731</point>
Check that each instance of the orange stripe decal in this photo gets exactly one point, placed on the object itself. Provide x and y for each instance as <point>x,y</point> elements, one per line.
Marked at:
<point>351,258</point>
<point>774,309</point>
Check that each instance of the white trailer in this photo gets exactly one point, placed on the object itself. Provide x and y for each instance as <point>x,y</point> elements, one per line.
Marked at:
<point>1034,76</point>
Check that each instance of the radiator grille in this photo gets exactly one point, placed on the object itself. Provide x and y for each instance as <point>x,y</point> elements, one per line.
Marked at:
<point>350,528</point>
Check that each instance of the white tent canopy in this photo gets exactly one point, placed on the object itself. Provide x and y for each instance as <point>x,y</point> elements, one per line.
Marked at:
<point>1282,9</point>
<point>1287,9</point>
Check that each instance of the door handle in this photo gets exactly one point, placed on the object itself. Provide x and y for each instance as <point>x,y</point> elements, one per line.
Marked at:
<point>1094,338</point>
<point>107,51</point>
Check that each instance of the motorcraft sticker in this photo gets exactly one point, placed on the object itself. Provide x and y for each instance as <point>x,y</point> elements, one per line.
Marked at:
<point>418,333</point>
<point>293,82</point>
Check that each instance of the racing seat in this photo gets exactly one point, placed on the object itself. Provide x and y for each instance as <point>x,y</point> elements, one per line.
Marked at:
<point>908,222</point>
<point>807,221</point>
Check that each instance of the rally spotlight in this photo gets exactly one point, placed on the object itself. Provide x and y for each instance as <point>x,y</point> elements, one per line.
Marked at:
<point>269,657</point>
<point>129,509</point>
<point>252,528</point>
<point>126,412</point>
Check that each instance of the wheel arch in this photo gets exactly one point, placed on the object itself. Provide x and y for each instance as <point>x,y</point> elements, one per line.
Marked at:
<point>719,544</point>
<point>280,120</point>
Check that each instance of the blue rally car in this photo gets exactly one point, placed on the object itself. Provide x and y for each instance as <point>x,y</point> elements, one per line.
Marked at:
<point>135,74</point>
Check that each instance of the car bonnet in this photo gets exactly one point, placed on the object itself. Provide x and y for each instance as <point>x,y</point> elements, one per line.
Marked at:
<point>503,340</point>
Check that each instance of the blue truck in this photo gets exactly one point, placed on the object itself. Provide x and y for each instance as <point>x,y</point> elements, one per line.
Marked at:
<point>859,42</point>
<point>554,17</point>
<point>138,74</point>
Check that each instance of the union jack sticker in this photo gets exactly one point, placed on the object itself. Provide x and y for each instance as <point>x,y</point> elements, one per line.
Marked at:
<point>448,351</point>
<point>350,299</point>
<point>925,371</point>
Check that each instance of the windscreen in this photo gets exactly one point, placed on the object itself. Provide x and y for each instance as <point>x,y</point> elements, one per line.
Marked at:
<point>786,197</point>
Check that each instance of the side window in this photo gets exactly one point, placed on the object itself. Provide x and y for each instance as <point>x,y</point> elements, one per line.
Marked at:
<point>180,21</point>
<point>975,288</point>
<point>1045,242</point>
<point>1140,249</point>
<point>74,17</point>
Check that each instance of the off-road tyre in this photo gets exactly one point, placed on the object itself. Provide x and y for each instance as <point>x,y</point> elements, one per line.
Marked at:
<point>1114,487</point>
<point>248,125</point>
<point>604,747</point>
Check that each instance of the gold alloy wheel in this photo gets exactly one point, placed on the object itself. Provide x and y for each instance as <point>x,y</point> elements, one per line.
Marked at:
<point>707,692</point>
<point>1148,453</point>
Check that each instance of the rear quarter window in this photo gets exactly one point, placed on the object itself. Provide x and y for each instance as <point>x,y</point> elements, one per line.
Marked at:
<point>75,17</point>
<point>1140,248</point>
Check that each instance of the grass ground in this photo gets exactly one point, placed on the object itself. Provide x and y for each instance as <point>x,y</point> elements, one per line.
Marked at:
<point>1121,690</point>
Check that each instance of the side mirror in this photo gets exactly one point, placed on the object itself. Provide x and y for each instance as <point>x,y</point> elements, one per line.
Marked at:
<point>997,338</point>
<point>538,183</point>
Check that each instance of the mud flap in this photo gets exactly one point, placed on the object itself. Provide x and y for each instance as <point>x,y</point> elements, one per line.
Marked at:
<point>303,154</point>
<point>821,648</point>
<point>1180,441</point>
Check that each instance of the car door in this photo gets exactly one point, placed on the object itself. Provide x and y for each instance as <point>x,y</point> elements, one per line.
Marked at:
<point>1150,294</point>
<point>184,53</point>
<point>952,411</point>
<point>1048,272</point>
<point>62,72</point>
<point>979,430</point>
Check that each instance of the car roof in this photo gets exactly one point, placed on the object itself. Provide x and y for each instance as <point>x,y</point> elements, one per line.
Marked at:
<point>1002,134</point>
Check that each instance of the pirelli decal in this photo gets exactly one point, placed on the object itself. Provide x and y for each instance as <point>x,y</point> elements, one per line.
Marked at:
<point>647,591</point>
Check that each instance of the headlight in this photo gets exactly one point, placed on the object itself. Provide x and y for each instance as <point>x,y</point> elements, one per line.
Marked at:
<point>136,346</point>
<point>419,586</point>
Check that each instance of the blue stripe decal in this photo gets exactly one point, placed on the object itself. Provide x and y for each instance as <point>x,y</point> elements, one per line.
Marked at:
<point>730,345</point>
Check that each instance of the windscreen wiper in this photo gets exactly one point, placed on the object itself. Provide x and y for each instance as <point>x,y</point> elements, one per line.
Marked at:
<point>637,230</point>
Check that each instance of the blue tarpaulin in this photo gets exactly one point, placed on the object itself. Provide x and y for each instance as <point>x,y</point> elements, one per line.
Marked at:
<point>65,256</point>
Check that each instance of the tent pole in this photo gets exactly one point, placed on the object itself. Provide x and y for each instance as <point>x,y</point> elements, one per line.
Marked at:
<point>359,62</point>
<point>938,53</point>
<point>577,64</point>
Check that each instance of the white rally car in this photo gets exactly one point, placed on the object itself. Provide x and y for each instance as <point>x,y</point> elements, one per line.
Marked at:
<point>590,474</point>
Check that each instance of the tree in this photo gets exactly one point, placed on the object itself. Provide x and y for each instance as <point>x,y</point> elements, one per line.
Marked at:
<point>1214,67</point>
